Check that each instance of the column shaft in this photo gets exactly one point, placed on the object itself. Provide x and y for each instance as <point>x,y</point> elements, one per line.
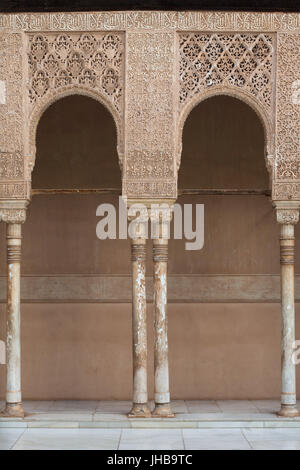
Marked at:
<point>161,362</point>
<point>139,329</point>
<point>13,328</point>
<point>288,368</point>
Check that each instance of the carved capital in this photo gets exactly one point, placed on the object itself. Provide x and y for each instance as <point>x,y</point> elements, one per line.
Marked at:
<point>13,212</point>
<point>13,216</point>
<point>287,216</point>
<point>287,212</point>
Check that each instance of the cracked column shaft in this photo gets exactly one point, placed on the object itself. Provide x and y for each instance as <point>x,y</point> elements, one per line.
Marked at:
<point>161,362</point>
<point>13,328</point>
<point>139,327</point>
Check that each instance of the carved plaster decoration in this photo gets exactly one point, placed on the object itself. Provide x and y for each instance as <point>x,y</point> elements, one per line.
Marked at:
<point>13,216</point>
<point>11,117</point>
<point>85,63</point>
<point>172,61</point>
<point>296,92</point>
<point>240,65</point>
<point>287,212</point>
<point>287,216</point>
<point>237,60</point>
<point>150,114</point>
<point>287,169</point>
<point>155,20</point>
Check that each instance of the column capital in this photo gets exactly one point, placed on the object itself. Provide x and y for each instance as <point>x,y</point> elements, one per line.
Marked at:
<point>13,212</point>
<point>287,212</point>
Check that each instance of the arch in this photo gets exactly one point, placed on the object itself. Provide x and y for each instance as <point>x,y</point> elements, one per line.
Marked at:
<point>242,96</point>
<point>56,95</point>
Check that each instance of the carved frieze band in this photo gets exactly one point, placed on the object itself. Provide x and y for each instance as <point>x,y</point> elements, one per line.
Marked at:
<point>150,113</point>
<point>168,20</point>
<point>287,168</point>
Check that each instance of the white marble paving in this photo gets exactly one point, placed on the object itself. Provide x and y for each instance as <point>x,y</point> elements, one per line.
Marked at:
<point>74,406</point>
<point>69,439</point>
<point>8,437</point>
<point>272,434</point>
<point>77,425</point>
<point>67,415</point>
<point>151,439</point>
<point>116,406</point>
<point>238,406</point>
<point>215,439</point>
<point>202,406</point>
<point>273,439</point>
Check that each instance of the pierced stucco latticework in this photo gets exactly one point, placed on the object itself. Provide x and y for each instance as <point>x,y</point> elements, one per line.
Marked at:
<point>239,60</point>
<point>95,61</point>
<point>84,63</point>
<point>241,65</point>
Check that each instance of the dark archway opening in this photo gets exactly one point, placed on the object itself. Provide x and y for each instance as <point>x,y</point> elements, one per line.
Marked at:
<point>76,146</point>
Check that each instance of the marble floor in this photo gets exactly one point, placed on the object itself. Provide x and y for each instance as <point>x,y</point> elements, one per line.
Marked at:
<point>72,424</point>
<point>152,439</point>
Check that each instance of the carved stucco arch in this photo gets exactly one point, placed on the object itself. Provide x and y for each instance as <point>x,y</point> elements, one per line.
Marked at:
<point>268,125</point>
<point>55,95</point>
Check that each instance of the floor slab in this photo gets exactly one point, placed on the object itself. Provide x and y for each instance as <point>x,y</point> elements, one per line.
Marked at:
<point>8,437</point>
<point>215,439</point>
<point>69,439</point>
<point>151,439</point>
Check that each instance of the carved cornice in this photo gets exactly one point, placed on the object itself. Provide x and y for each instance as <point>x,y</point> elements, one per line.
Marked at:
<point>145,20</point>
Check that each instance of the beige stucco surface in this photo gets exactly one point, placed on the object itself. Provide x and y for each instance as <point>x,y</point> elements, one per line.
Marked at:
<point>83,351</point>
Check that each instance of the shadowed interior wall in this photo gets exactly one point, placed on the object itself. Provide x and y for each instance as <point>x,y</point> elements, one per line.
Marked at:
<point>76,146</point>
<point>81,350</point>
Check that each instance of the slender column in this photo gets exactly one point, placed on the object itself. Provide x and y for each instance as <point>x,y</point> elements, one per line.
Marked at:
<point>13,331</point>
<point>287,218</point>
<point>139,327</point>
<point>161,362</point>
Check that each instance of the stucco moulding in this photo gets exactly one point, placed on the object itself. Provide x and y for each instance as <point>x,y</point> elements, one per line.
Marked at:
<point>167,20</point>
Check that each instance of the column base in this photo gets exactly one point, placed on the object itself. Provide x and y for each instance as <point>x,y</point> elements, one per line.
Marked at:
<point>288,411</point>
<point>163,410</point>
<point>13,410</point>
<point>139,410</point>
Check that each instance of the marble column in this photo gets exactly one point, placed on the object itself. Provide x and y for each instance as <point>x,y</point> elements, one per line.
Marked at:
<point>140,406</point>
<point>13,325</point>
<point>161,361</point>
<point>287,217</point>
